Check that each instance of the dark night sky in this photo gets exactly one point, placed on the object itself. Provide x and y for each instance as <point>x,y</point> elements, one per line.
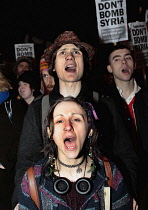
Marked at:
<point>46,19</point>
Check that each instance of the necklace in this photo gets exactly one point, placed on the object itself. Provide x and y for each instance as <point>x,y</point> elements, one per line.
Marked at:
<point>79,170</point>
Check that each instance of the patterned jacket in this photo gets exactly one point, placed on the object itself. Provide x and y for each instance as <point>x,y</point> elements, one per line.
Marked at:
<point>50,200</point>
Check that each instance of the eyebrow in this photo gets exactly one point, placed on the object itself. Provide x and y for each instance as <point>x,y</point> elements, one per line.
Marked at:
<point>68,48</point>
<point>61,115</point>
<point>116,56</point>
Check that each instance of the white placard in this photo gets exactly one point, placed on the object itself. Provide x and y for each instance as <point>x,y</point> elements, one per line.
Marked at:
<point>139,37</point>
<point>26,49</point>
<point>112,20</point>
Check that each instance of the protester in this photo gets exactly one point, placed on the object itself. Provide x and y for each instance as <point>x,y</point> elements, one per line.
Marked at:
<point>12,113</point>
<point>21,65</point>
<point>47,81</point>
<point>28,86</point>
<point>69,61</point>
<point>73,159</point>
<point>131,102</point>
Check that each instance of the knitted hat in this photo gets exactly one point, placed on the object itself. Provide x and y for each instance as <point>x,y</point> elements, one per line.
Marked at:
<point>43,65</point>
<point>31,78</point>
<point>68,37</point>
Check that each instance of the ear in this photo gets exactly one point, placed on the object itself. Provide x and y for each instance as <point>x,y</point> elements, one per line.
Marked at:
<point>109,68</point>
<point>54,69</point>
<point>90,132</point>
<point>48,132</point>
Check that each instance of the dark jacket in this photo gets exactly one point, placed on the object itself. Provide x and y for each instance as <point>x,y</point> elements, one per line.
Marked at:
<point>31,141</point>
<point>141,114</point>
<point>49,199</point>
<point>9,139</point>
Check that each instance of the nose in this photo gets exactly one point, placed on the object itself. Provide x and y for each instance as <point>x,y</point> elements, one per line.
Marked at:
<point>123,60</point>
<point>69,56</point>
<point>68,126</point>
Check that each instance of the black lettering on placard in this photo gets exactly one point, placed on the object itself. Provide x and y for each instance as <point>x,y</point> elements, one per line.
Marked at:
<point>22,49</point>
<point>112,21</point>
<point>140,31</point>
<point>28,54</point>
<point>140,39</point>
<point>109,5</point>
<point>112,13</point>
<point>141,47</point>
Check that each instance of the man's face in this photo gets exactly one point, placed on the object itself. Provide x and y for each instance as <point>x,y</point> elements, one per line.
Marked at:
<point>48,81</point>
<point>69,64</point>
<point>121,65</point>
<point>22,67</point>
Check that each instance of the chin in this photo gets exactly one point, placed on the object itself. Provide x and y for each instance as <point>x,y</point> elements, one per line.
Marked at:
<point>72,156</point>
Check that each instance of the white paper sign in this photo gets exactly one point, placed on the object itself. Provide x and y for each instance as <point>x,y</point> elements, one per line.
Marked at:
<point>112,20</point>
<point>139,37</point>
<point>26,49</point>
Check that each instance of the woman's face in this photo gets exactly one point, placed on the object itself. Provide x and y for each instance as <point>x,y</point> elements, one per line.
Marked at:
<point>24,90</point>
<point>70,129</point>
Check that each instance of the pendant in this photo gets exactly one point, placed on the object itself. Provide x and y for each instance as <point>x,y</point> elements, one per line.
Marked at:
<point>79,170</point>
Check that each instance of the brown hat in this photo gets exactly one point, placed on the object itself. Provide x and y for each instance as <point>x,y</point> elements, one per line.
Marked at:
<point>68,37</point>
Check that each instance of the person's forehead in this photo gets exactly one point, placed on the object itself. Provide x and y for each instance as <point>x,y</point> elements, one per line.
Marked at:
<point>68,46</point>
<point>120,52</point>
<point>45,72</point>
<point>22,82</point>
<point>68,106</point>
<point>24,63</point>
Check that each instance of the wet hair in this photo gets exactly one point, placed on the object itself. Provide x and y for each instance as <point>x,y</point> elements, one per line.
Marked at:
<point>51,148</point>
<point>87,63</point>
<point>119,47</point>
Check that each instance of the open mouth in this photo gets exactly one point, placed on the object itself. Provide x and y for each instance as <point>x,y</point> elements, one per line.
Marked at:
<point>125,70</point>
<point>70,68</point>
<point>22,91</point>
<point>70,142</point>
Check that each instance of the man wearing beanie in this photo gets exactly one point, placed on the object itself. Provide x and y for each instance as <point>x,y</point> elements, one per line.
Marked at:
<point>47,81</point>
<point>28,86</point>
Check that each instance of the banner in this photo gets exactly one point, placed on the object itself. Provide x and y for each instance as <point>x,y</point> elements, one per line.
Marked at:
<point>24,50</point>
<point>139,37</point>
<point>112,20</point>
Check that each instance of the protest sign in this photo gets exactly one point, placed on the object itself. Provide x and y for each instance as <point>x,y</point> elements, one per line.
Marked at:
<point>139,37</point>
<point>112,20</point>
<point>26,49</point>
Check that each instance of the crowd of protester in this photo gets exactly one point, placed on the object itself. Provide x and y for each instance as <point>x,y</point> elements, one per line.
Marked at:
<point>29,98</point>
